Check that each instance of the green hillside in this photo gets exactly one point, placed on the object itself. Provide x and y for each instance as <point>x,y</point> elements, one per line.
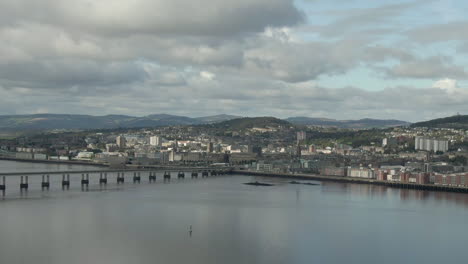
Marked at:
<point>250,122</point>
<point>458,121</point>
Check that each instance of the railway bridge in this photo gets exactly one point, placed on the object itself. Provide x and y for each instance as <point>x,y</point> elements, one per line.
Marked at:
<point>102,176</point>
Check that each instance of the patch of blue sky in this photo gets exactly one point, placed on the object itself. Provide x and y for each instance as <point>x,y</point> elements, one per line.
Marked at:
<point>367,79</point>
<point>393,31</point>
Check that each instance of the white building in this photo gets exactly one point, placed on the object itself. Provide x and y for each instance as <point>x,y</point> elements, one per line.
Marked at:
<point>428,144</point>
<point>121,141</point>
<point>155,141</point>
<point>301,136</point>
<point>85,155</point>
<point>361,173</point>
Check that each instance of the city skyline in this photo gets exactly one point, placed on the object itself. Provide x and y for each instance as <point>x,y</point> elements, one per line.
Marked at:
<point>384,60</point>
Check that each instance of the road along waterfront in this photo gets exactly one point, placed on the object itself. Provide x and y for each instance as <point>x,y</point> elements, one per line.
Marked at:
<point>427,187</point>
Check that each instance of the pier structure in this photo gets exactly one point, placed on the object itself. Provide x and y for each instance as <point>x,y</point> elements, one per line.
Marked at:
<point>136,177</point>
<point>86,175</point>
<point>24,185</point>
<point>45,184</point>
<point>3,186</point>
<point>120,177</point>
<point>84,179</point>
<point>103,178</point>
<point>152,176</point>
<point>65,181</point>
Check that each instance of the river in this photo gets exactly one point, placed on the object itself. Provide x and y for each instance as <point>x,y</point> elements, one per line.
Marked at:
<point>230,222</point>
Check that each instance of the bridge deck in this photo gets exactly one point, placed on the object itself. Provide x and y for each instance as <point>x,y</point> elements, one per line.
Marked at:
<point>184,169</point>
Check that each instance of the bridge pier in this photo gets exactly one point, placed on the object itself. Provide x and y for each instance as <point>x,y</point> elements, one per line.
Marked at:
<point>65,181</point>
<point>24,183</point>
<point>84,179</point>
<point>136,177</point>
<point>152,176</point>
<point>103,178</point>
<point>181,175</point>
<point>3,186</point>
<point>120,178</point>
<point>167,175</point>
<point>45,184</point>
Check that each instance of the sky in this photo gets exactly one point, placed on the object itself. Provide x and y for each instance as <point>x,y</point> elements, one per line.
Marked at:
<point>343,59</point>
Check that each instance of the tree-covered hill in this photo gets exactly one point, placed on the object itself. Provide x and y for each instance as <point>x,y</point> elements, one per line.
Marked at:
<point>250,122</point>
<point>457,121</point>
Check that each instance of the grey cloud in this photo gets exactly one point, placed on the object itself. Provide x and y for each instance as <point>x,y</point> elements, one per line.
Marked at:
<point>176,17</point>
<point>60,74</point>
<point>374,21</point>
<point>248,96</point>
<point>297,62</point>
<point>428,68</point>
<point>439,32</point>
<point>140,57</point>
<point>38,40</point>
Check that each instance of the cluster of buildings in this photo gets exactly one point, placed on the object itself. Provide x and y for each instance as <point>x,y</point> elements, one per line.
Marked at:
<point>402,174</point>
<point>410,155</point>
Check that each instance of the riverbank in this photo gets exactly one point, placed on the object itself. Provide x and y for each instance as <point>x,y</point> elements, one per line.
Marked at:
<point>426,187</point>
<point>67,162</point>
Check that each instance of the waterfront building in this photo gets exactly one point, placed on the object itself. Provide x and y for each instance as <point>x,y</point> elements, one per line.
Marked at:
<point>453,179</point>
<point>85,155</point>
<point>361,173</point>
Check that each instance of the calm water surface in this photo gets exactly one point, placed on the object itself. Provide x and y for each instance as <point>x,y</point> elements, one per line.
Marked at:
<point>231,222</point>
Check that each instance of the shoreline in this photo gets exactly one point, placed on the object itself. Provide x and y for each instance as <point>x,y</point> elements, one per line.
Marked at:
<point>399,185</point>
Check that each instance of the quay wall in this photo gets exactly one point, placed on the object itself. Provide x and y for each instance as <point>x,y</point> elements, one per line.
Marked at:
<point>427,187</point>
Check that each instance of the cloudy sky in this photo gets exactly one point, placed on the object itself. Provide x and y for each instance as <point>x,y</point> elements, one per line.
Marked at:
<point>343,59</point>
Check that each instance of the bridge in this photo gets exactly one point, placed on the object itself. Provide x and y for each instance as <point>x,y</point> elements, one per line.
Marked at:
<point>149,169</point>
<point>119,175</point>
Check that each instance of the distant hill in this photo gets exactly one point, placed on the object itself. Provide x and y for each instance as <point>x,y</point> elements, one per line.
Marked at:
<point>361,123</point>
<point>66,121</point>
<point>250,122</point>
<point>216,118</point>
<point>61,121</point>
<point>458,121</point>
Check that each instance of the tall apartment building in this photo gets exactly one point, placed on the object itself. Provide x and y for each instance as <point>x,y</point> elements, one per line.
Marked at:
<point>210,147</point>
<point>121,141</point>
<point>301,136</point>
<point>428,144</point>
<point>155,141</point>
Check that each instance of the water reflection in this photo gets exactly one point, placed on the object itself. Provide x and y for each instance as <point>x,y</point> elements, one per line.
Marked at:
<point>220,220</point>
